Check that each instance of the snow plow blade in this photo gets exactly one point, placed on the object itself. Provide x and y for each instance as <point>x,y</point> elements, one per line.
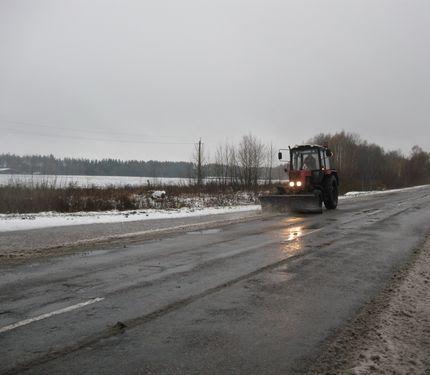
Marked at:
<point>282,203</point>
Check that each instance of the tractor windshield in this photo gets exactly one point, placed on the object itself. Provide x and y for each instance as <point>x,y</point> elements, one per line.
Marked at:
<point>305,160</point>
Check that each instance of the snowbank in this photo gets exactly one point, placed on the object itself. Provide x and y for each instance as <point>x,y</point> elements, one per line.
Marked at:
<point>158,194</point>
<point>15,222</point>
<point>353,194</point>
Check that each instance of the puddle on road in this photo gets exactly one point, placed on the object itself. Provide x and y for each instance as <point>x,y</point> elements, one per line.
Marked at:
<point>206,231</point>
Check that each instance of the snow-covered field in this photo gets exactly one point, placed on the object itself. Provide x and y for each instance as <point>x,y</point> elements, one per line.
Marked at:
<point>89,181</point>
<point>85,181</point>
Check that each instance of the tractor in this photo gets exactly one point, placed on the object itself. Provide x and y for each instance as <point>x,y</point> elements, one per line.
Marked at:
<point>312,180</point>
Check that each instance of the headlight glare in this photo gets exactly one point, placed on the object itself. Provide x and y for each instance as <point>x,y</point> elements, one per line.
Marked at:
<point>291,183</point>
<point>298,183</point>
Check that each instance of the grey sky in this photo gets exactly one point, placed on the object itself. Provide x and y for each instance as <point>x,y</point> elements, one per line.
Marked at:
<point>100,73</point>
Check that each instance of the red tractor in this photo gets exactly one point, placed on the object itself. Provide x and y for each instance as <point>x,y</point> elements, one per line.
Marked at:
<point>312,181</point>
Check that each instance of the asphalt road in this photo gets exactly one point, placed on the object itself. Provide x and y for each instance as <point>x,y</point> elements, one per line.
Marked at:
<point>262,296</point>
<point>16,243</point>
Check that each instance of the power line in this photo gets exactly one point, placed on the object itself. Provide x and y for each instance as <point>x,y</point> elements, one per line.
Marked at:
<point>39,134</point>
<point>107,132</point>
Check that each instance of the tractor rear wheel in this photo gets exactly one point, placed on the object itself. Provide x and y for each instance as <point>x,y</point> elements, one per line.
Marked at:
<point>330,193</point>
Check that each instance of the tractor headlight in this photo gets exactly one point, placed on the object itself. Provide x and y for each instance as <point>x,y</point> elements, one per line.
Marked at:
<point>298,183</point>
<point>291,183</point>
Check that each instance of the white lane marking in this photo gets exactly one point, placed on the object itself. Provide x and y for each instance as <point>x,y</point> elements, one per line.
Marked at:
<point>48,315</point>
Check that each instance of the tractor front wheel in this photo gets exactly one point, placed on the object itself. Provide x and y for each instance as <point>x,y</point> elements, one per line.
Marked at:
<point>330,193</point>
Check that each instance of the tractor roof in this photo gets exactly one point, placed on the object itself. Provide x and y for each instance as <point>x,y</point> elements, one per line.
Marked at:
<point>307,147</point>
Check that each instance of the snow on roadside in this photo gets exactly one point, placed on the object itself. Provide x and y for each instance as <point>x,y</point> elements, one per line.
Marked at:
<point>354,194</point>
<point>15,222</point>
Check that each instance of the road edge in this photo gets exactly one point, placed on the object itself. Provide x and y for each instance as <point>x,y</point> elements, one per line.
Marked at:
<point>370,344</point>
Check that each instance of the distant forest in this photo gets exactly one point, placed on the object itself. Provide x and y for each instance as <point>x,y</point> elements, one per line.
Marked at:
<point>31,164</point>
<point>361,165</point>
<point>366,166</point>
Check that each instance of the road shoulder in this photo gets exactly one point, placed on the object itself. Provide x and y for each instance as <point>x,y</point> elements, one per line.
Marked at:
<point>392,333</point>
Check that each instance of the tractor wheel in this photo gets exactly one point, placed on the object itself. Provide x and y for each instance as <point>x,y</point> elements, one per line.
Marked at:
<point>330,193</point>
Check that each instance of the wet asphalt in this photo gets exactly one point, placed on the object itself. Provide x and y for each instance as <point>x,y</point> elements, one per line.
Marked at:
<point>262,296</point>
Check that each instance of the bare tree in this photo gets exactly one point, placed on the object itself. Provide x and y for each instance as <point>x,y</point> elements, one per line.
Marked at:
<point>226,164</point>
<point>250,156</point>
<point>221,163</point>
<point>417,168</point>
<point>270,154</point>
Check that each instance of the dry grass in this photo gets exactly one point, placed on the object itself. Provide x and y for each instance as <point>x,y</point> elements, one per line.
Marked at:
<point>18,198</point>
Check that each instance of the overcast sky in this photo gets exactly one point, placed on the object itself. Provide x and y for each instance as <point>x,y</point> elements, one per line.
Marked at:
<point>145,79</point>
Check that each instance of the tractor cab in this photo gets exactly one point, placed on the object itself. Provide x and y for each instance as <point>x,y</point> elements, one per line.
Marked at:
<point>311,180</point>
<point>311,159</point>
<point>308,166</point>
<point>307,157</point>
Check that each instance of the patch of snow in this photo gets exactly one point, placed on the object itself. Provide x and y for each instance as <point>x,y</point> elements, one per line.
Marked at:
<point>353,194</point>
<point>158,194</point>
<point>15,222</point>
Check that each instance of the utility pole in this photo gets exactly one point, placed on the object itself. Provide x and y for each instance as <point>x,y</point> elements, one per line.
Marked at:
<point>199,163</point>
<point>270,156</point>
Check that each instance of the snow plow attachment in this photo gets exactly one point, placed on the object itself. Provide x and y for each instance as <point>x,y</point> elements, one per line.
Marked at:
<point>283,203</point>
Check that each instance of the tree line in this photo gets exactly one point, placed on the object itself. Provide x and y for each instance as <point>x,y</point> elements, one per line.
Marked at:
<point>31,164</point>
<point>366,166</point>
<point>362,165</point>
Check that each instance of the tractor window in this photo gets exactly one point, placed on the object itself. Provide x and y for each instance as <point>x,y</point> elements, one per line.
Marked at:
<point>327,162</point>
<point>305,160</point>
